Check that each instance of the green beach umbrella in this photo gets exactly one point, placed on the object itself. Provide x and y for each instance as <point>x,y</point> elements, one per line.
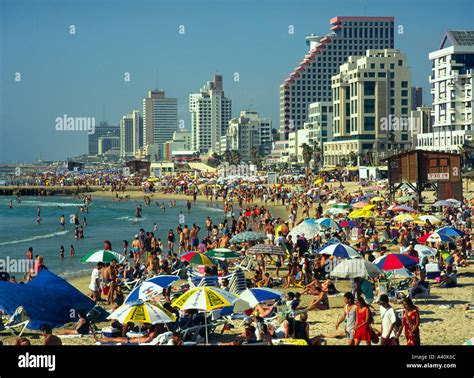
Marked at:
<point>404,198</point>
<point>223,254</point>
<point>341,205</point>
<point>246,237</point>
<point>102,256</point>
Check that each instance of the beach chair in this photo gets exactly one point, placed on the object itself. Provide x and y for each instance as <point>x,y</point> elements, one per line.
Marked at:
<point>18,320</point>
<point>248,263</point>
<point>204,281</point>
<point>238,282</point>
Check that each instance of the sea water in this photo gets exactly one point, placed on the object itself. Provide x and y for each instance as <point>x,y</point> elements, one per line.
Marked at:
<point>114,221</point>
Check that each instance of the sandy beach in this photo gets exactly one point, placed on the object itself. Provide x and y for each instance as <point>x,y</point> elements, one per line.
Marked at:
<point>444,320</point>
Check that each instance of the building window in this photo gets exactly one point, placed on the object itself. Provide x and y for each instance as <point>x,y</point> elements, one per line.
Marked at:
<point>369,123</point>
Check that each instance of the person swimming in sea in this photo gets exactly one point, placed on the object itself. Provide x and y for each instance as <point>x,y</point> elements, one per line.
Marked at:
<point>72,251</point>
<point>62,222</point>
<point>61,252</point>
<point>10,205</point>
<point>138,212</point>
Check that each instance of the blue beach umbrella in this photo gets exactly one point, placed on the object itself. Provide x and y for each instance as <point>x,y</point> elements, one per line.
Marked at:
<point>340,250</point>
<point>328,223</point>
<point>450,231</point>
<point>150,288</point>
<point>254,296</point>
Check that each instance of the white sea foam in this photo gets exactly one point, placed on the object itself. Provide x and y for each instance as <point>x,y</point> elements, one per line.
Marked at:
<point>47,236</point>
<point>51,204</point>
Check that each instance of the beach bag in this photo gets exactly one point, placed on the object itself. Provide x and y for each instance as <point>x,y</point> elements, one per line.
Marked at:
<point>105,289</point>
<point>374,338</point>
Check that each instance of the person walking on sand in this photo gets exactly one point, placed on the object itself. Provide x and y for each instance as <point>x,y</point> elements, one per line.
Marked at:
<point>388,334</point>
<point>363,320</point>
<point>410,323</point>
<point>349,316</point>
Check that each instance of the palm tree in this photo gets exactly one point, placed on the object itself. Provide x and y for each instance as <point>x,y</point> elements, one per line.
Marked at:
<point>317,155</point>
<point>307,154</point>
<point>227,156</point>
<point>235,157</point>
<point>254,156</point>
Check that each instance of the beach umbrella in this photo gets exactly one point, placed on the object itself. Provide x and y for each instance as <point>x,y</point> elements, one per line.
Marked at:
<point>319,181</point>
<point>309,230</point>
<point>395,261</point>
<point>403,208</point>
<point>102,255</point>
<point>341,205</point>
<point>340,250</point>
<point>359,205</point>
<point>450,231</point>
<point>197,258</point>
<point>266,249</point>
<point>401,273</point>
<point>443,203</point>
<point>246,237</point>
<point>335,211</point>
<point>378,199</point>
<point>423,250</point>
<point>369,207</point>
<point>404,198</point>
<point>361,214</point>
<point>142,312</point>
<point>223,254</point>
<point>151,288</point>
<point>328,223</point>
<point>431,218</point>
<point>454,201</point>
<point>348,224</point>
<point>405,218</point>
<point>355,268</point>
<point>255,296</point>
<point>434,237</point>
<point>209,298</point>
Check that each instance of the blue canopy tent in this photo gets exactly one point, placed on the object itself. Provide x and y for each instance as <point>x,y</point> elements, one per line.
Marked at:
<point>47,299</point>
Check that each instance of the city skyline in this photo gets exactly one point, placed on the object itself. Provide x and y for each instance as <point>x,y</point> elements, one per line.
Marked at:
<point>84,74</point>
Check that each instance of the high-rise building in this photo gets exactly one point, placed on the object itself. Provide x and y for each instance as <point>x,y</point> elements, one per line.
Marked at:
<point>103,130</point>
<point>249,135</point>
<point>210,114</point>
<point>107,143</point>
<point>371,104</point>
<point>311,79</point>
<point>421,122</point>
<point>416,97</point>
<point>131,134</point>
<point>319,123</point>
<point>451,87</point>
<point>160,118</point>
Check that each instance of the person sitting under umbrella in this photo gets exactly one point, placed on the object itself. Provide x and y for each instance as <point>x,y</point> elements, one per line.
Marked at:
<point>152,331</point>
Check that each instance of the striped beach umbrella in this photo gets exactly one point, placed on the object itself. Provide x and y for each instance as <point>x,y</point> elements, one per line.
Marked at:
<point>151,288</point>
<point>340,250</point>
<point>208,298</point>
<point>395,261</point>
<point>403,208</point>
<point>102,255</point>
<point>328,223</point>
<point>255,296</point>
<point>266,249</point>
<point>197,258</point>
<point>147,312</point>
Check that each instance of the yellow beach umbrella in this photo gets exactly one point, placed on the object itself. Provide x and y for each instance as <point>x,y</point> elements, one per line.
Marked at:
<point>377,199</point>
<point>209,298</point>
<point>319,181</point>
<point>406,218</point>
<point>369,207</point>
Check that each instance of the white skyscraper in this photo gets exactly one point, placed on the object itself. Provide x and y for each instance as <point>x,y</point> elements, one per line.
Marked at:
<point>451,87</point>
<point>160,118</point>
<point>210,114</point>
<point>131,134</point>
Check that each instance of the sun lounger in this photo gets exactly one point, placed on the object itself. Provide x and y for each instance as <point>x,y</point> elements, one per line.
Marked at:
<point>18,320</point>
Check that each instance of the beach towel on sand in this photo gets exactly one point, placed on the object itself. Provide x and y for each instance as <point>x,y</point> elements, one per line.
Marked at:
<point>47,299</point>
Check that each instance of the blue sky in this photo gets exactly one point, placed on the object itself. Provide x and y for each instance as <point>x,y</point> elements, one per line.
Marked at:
<point>83,74</point>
